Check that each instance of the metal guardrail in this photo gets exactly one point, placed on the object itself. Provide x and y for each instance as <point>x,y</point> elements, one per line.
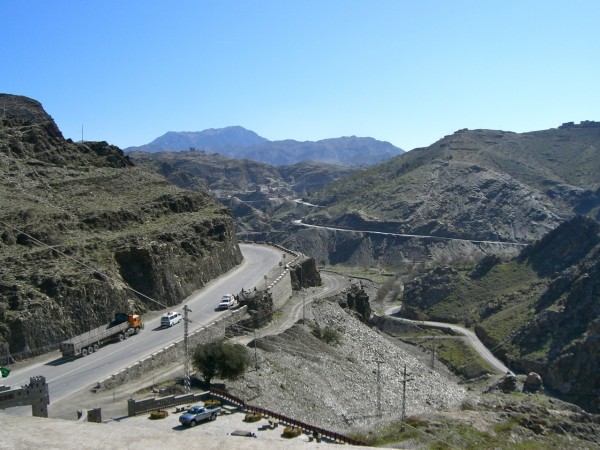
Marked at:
<point>316,431</point>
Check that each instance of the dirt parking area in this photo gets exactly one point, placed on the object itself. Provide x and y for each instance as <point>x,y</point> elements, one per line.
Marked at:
<point>230,420</point>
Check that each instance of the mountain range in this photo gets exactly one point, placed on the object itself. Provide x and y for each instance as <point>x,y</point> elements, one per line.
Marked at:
<point>86,234</point>
<point>239,143</point>
<point>87,231</point>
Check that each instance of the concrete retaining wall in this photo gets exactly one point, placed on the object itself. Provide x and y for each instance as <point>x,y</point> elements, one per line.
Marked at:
<point>279,280</point>
<point>279,284</point>
<point>281,289</point>
<point>172,353</point>
<point>135,407</point>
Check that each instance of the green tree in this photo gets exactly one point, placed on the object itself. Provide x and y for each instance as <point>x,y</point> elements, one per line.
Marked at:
<point>220,359</point>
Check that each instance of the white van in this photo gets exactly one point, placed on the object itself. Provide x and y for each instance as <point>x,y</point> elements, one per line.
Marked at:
<point>169,319</point>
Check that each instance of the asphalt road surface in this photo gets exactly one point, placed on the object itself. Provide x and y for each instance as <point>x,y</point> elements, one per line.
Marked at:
<point>471,339</point>
<point>67,377</point>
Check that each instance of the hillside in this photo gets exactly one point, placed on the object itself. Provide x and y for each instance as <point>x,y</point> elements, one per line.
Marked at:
<point>239,143</point>
<point>85,233</point>
<point>470,194</point>
<point>481,184</point>
<point>538,312</point>
<point>200,171</point>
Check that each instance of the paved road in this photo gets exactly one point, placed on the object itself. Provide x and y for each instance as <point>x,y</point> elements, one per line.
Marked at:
<point>67,377</point>
<point>293,309</point>
<point>471,339</point>
<point>420,236</point>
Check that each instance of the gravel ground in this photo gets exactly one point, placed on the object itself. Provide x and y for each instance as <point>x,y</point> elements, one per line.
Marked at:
<point>336,385</point>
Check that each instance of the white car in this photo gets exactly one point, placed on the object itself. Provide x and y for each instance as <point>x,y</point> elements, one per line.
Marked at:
<point>169,319</point>
<point>227,301</point>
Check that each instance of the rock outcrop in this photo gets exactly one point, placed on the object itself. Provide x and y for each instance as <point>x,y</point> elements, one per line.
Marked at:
<point>84,234</point>
<point>539,312</point>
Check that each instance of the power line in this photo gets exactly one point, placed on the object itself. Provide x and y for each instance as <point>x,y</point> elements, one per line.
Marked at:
<point>81,263</point>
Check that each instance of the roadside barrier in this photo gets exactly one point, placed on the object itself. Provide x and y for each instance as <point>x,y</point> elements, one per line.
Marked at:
<point>316,431</point>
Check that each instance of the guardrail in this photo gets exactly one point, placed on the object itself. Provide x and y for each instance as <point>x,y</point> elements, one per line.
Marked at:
<point>316,431</point>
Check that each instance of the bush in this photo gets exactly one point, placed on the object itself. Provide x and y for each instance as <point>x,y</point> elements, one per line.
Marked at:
<point>252,417</point>
<point>212,402</point>
<point>292,432</point>
<point>220,359</point>
<point>155,415</point>
<point>327,334</point>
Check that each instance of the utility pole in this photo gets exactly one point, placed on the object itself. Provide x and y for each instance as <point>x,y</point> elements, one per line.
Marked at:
<point>378,362</point>
<point>186,363</point>
<point>432,351</point>
<point>255,355</point>
<point>404,381</point>
<point>302,294</point>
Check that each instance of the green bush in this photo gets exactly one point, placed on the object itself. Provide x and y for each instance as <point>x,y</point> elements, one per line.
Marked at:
<point>328,335</point>
<point>220,359</point>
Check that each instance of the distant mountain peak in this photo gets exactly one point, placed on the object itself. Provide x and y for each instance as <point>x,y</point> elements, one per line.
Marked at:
<point>231,136</point>
<point>239,143</point>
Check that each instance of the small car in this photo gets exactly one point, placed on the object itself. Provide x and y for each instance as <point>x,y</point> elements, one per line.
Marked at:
<point>227,301</point>
<point>169,319</point>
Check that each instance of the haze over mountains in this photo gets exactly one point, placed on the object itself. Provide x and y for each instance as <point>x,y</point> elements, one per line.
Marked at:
<point>239,143</point>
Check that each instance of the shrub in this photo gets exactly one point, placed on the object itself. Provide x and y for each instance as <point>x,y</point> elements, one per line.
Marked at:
<point>292,432</point>
<point>155,415</point>
<point>328,335</point>
<point>212,402</point>
<point>252,417</point>
<point>220,359</point>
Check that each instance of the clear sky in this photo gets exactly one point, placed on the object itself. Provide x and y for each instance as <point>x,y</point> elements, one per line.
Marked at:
<point>404,71</point>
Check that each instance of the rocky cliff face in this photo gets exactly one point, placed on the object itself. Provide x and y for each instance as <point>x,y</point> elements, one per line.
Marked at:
<point>482,185</point>
<point>539,312</point>
<point>85,233</point>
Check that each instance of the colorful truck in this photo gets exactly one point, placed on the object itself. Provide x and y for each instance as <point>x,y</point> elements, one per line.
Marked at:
<point>121,328</point>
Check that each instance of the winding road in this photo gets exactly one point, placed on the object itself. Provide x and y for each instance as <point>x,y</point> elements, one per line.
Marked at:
<point>471,338</point>
<point>67,377</point>
<point>299,222</point>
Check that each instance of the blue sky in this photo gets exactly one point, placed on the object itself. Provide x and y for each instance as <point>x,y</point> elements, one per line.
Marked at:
<point>407,72</point>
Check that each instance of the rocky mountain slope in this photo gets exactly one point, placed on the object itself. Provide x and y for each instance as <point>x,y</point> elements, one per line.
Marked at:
<point>200,171</point>
<point>539,312</point>
<point>239,143</point>
<point>481,184</point>
<point>85,234</point>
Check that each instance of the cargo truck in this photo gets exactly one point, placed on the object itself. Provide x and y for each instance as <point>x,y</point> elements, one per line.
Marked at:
<point>121,328</point>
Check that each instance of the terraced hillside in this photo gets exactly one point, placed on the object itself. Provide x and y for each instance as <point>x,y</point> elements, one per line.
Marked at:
<point>84,234</point>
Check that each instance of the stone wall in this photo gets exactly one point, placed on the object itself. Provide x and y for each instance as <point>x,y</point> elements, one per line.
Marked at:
<point>172,353</point>
<point>278,285</point>
<point>135,407</point>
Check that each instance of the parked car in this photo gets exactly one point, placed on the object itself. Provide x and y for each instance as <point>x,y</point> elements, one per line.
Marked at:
<point>169,319</point>
<point>197,414</point>
<point>227,301</point>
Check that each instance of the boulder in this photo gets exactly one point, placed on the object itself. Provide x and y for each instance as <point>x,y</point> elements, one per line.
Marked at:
<point>533,382</point>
